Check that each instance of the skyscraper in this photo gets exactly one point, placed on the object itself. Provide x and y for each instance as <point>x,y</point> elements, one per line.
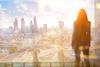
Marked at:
<point>22,25</point>
<point>35,24</point>
<point>97,21</point>
<point>61,25</point>
<point>10,29</point>
<point>45,27</point>
<point>15,24</point>
<point>41,30</point>
<point>31,26</point>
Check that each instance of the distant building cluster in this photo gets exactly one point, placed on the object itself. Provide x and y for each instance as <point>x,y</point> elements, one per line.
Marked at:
<point>15,37</point>
<point>21,37</point>
<point>33,28</point>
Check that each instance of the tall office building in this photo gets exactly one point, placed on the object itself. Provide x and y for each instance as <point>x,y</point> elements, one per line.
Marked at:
<point>41,30</point>
<point>45,28</point>
<point>35,24</point>
<point>97,21</point>
<point>31,26</point>
<point>10,29</point>
<point>15,24</point>
<point>61,25</point>
<point>22,25</point>
<point>97,29</point>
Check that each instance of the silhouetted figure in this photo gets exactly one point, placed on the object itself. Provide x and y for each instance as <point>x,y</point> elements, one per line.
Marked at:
<point>81,38</point>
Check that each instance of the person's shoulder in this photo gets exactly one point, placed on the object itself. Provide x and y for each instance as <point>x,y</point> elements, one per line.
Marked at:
<point>89,22</point>
<point>75,22</point>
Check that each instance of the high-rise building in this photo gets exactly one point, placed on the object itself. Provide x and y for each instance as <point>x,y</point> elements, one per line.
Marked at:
<point>15,24</point>
<point>97,28</point>
<point>22,25</point>
<point>10,29</point>
<point>41,30</point>
<point>97,21</point>
<point>31,26</point>
<point>61,25</point>
<point>45,27</point>
<point>35,24</point>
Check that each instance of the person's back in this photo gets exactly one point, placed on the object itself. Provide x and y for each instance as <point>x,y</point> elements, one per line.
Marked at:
<point>81,32</point>
<point>81,37</point>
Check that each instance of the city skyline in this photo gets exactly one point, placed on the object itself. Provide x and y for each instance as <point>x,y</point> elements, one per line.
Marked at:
<point>35,31</point>
<point>48,11</point>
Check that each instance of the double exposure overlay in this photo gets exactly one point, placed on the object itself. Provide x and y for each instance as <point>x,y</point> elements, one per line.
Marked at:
<point>49,33</point>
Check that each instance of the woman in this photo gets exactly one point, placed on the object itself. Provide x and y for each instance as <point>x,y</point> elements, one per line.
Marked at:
<point>81,38</point>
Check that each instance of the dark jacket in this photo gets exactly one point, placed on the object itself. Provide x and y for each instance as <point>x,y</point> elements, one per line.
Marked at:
<point>81,32</point>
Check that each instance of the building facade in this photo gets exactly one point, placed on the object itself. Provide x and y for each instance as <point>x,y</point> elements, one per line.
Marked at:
<point>97,21</point>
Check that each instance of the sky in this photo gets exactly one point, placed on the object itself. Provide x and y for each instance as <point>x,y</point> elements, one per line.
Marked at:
<point>48,12</point>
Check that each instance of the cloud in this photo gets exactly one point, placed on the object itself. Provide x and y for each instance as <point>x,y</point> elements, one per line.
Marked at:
<point>5,19</point>
<point>65,8</point>
<point>26,7</point>
<point>46,9</point>
<point>24,1</point>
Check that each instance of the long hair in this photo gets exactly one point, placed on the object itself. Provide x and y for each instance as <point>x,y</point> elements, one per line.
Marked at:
<point>82,18</point>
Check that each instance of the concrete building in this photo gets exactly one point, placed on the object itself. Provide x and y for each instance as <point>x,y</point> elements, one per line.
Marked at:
<point>45,28</point>
<point>22,25</point>
<point>15,24</point>
<point>61,25</point>
<point>97,21</point>
<point>31,27</point>
<point>35,26</point>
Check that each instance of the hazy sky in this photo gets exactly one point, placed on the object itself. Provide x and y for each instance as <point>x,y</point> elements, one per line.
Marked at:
<point>47,11</point>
